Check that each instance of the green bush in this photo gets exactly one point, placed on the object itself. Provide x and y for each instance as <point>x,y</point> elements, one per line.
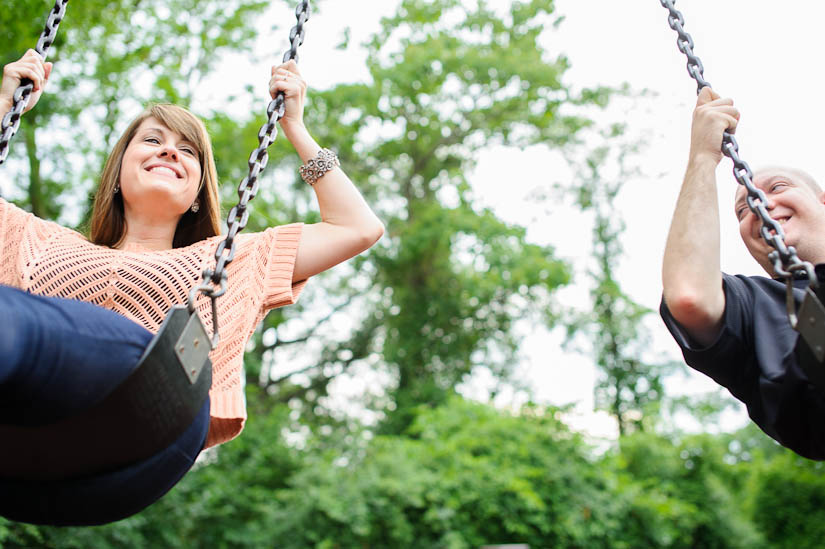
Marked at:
<point>787,501</point>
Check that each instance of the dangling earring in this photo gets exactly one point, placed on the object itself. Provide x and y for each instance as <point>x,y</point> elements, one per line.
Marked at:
<point>195,206</point>
<point>117,188</point>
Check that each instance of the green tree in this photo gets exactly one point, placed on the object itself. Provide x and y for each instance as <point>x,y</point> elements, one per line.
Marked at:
<point>438,298</point>
<point>681,493</point>
<point>787,500</point>
<point>463,475</point>
<point>631,384</point>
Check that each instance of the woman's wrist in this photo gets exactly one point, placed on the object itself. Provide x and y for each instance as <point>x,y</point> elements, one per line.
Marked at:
<point>293,129</point>
<point>301,140</point>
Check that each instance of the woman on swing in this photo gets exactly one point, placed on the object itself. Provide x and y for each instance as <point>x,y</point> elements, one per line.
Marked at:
<point>77,313</point>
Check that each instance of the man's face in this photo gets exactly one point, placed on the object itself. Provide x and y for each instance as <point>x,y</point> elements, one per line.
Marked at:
<point>795,204</point>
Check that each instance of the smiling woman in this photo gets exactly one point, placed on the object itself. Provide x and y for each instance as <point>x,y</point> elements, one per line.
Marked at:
<point>79,314</point>
<point>163,138</point>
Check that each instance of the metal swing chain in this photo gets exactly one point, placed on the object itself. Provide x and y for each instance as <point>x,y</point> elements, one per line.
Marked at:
<point>214,280</point>
<point>11,121</point>
<point>784,258</point>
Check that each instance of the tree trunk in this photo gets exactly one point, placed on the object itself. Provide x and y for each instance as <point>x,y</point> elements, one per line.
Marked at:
<point>36,198</point>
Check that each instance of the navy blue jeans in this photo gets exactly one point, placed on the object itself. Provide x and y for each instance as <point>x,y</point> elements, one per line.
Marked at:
<point>58,357</point>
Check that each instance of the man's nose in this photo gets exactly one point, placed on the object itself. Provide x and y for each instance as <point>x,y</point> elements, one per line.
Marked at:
<point>755,212</point>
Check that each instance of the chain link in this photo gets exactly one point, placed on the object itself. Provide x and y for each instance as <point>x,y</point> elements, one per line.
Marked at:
<point>11,121</point>
<point>248,188</point>
<point>784,258</point>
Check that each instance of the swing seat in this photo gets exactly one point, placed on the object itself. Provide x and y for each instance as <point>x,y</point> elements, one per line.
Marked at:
<point>810,346</point>
<point>140,417</point>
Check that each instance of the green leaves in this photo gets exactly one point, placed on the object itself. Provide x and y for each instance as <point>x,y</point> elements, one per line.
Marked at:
<point>449,79</point>
<point>472,71</point>
<point>630,385</point>
<point>464,475</point>
<point>458,281</point>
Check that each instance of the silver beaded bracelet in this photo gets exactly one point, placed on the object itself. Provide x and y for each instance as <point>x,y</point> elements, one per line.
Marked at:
<point>315,168</point>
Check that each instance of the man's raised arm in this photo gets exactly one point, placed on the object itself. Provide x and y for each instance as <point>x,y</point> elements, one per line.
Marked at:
<point>691,273</point>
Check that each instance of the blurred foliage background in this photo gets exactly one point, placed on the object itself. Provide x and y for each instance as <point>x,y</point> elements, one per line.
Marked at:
<point>414,464</point>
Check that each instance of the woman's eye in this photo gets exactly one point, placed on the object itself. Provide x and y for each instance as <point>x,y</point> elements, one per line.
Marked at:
<point>152,140</point>
<point>187,150</point>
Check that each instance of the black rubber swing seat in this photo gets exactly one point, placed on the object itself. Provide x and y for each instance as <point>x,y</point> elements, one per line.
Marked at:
<point>810,347</point>
<point>146,413</point>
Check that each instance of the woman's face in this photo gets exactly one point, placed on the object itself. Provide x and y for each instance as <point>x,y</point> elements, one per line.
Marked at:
<point>160,171</point>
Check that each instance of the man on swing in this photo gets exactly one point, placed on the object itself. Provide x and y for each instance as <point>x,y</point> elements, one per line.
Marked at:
<point>735,328</point>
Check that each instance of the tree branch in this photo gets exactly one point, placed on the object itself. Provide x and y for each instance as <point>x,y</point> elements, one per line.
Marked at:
<point>280,342</point>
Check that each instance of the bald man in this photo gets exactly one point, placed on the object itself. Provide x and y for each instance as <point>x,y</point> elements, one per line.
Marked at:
<point>735,328</point>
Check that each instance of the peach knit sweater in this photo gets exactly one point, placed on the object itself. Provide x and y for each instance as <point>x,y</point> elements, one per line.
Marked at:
<point>44,258</point>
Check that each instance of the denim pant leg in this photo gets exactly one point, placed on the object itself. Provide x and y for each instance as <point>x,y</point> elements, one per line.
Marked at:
<point>60,356</point>
<point>107,497</point>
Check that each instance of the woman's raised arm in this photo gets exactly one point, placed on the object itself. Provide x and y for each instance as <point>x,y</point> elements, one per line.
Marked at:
<point>348,225</point>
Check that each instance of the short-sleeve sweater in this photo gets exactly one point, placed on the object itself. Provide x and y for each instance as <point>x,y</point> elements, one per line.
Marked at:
<point>45,258</point>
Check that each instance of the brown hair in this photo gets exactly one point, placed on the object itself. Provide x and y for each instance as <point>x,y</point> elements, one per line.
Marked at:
<point>107,225</point>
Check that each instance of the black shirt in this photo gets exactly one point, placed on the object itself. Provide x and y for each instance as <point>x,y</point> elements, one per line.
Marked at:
<point>753,357</point>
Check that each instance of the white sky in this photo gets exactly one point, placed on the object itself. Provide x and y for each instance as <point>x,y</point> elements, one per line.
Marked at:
<point>759,52</point>
<point>752,50</point>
